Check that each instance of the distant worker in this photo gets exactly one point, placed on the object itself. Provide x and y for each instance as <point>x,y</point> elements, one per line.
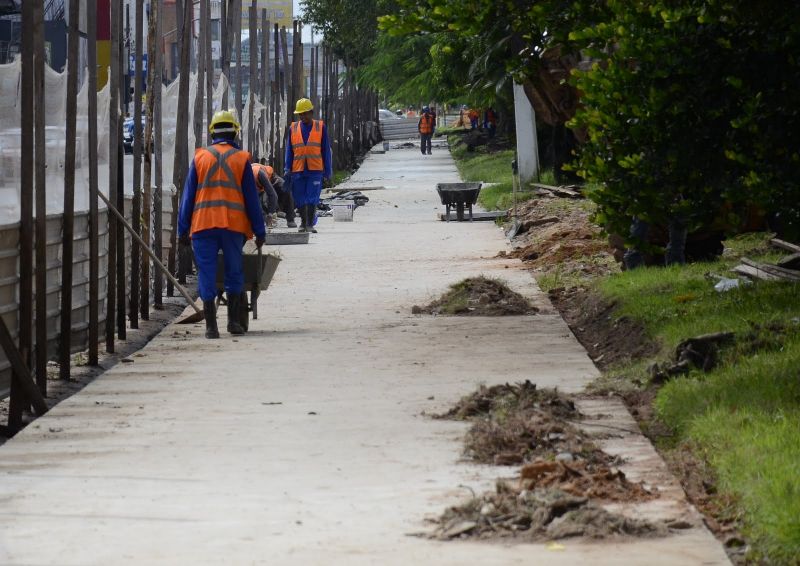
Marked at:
<point>266,193</point>
<point>473,118</point>
<point>490,121</point>
<point>219,210</point>
<point>285,200</point>
<point>426,126</point>
<point>308,158</point>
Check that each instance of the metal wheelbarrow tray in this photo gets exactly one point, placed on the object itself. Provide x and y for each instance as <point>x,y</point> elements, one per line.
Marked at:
<point>460,196</point>
<point>250,269</point>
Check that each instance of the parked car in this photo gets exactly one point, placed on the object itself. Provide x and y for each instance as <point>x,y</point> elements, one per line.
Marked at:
<point>384,114</point>
<point>127,134</point>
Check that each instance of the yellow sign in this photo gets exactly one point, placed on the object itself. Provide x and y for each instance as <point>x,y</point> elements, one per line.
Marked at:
<point>278,12</point>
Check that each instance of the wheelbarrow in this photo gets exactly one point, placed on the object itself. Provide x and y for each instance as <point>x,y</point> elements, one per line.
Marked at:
<point>460,196</point>
<point>258,269</point>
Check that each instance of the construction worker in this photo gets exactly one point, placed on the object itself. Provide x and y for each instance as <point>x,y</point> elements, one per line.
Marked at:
<point>308,162</point>
<point>473,116</point>
<point>219,210</point>
<point>426,126</point>
<point>490,121</point>
<point>266,192</point>
<point>285,200</point>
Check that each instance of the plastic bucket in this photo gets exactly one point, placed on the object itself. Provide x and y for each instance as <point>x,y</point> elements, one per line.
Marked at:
<point>343,211</point>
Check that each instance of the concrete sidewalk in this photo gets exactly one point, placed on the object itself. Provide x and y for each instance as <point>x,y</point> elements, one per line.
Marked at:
<point>305,442</point>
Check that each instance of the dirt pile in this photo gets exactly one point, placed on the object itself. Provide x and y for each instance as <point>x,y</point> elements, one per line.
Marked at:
<point>478,296</point>
<point>508,398</point>
<point>535,515</point>
<point>583,478</point>
<point>558,236</point>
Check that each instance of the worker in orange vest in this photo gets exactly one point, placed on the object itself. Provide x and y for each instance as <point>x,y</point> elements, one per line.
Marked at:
<point>219,210</point>
<point>473,118</point>
<point>308,162</point>
<point>426,126</point>
<point>266,192</point>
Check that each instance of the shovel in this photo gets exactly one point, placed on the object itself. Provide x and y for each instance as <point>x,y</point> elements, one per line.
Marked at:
<point>515,224</point>
<point>198,312</point>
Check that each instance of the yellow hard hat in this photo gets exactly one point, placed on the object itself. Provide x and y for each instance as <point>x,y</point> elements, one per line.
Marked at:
<point>223,117</point>
<point>303,105</point>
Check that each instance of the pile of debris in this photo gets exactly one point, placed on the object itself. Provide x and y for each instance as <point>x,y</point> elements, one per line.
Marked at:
<point>536,515</point>
<point>478,296</point>
<point>563,475</point>
<point>786,269</point>
<point>556,235</point>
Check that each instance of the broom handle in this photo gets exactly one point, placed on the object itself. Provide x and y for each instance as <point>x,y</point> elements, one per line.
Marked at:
<point>150,252</point>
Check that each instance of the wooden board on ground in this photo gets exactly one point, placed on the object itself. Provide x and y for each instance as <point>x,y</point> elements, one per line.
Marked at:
<point>788,246</point>
<point>561,191</point>
<point>478,216</point>
<point>767,271</point>
<point>286,238</point>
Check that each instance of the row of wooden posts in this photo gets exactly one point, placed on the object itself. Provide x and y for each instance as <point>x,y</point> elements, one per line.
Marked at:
<point>349,111</point>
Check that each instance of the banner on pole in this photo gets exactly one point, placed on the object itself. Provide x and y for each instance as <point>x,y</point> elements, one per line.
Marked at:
<point>279,12</point>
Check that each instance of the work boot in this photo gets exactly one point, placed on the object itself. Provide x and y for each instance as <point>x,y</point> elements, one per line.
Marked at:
<point>291,224</point>
<point>301,211</point>
<point>244,312</point>
<point>210,310</point>
<point>234,327</point>
<point>311,210</point>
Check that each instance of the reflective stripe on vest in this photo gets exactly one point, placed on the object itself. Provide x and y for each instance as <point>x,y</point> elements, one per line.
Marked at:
<point>307,155</point>
<point>426,124</point>
<point>219,201</point>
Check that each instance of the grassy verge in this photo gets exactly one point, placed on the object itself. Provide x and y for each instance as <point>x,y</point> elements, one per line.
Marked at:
<point>491,166</point>
<point>743,417</point>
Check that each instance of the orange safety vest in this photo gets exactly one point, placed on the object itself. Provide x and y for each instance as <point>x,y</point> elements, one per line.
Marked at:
<point>257,168</point>
<point>219,200</point>
<point>307,155</point>
<point>426,124</point>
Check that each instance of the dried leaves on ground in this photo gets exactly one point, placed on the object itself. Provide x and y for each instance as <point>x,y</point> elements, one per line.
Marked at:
<point>478,296</point>
<point>539,514</point>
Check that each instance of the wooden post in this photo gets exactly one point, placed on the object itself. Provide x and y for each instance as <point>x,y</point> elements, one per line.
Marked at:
<point>20,373</point>
<point>287,78</point>
<point>113,176</point>
<point>158,279</point>
<point>225,52</point>
<point>39,62</point>
<point>209,67</point>
<point>179,164</point>
<point>277,96</point>
<point>136,205</point>
<point>122,65</point>
<point>253,90</point>
<point>94,227</point>
<point>153,86</point>
<point>199,98</point>
<point>65,342</point>
<point>264,80</point>
<point>237,38</point>
<point>18,401</point>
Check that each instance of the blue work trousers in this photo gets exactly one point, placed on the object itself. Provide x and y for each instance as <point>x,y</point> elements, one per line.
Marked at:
<point>306,188</point>
<point>206,245</point>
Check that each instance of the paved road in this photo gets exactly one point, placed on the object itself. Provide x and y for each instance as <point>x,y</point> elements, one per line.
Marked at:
<point>305,442</point>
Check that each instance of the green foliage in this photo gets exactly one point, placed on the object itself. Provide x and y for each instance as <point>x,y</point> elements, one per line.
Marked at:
<point>743,416</point>
<point>690,109</point>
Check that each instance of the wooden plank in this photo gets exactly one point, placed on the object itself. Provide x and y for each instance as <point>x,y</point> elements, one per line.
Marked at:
<point>237,36</point>
<point>774,270</point>
<point>252,145</point>
<point>40,170</point>
<point>478,216</point>
<point>754,273</point>
<point>153,86</point>
<point>201,78</point>
<point>788,246</point>
<point>94,228</point>
<point>560,191</point>
<point>65,342</point>
<point>21,374</point>
<point>264,82</point>
<point>209,67</point>
<point>136,204</point>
